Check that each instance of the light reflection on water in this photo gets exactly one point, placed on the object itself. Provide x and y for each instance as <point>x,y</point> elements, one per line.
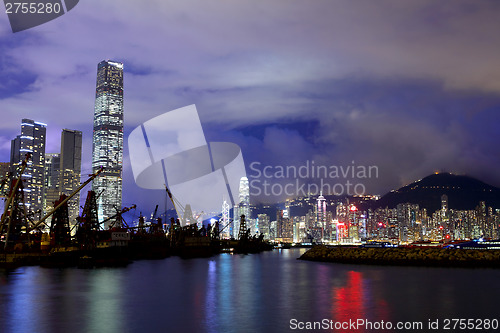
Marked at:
<point>237,293</point>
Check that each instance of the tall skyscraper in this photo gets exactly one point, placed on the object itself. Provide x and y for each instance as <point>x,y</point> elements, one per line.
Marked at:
<point>52,193</point>
<point>321,211</point>
<point>31,140</point>
<point>107,141</point>
<point>70,169</point>
<point>264,225</point>
<point>225,220</point>
<point>444,205</point>
<point>285,226</point>
<point>62,173</point>
<point>243,207</point>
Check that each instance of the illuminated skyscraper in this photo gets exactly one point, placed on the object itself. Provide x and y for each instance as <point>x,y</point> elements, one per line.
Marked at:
<point>31,140</point>
<point>285,226</point>
<point>444,205</point>
<point>225,220</point>
<point>62,173</point>
<point>243,207</point>
<point>107,141</point>
<point>321,211</point>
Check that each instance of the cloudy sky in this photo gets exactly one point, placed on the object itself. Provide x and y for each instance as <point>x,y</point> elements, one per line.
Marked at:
<point>411,87</point>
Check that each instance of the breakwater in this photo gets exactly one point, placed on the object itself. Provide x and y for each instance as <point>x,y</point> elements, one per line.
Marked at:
<point>409,256</point>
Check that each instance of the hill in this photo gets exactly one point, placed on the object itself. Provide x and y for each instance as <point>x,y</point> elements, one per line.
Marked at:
<point>463,193</point>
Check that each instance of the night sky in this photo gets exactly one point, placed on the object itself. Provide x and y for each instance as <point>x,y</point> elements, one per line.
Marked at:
<point>412,87</point>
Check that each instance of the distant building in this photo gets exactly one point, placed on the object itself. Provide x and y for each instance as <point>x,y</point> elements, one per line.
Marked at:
<point>273,230</point>
<point>321,211</point>
<point>70,169</point>
<point>299,228</point>
<point>107,140</point>
<point>188,217</point>
<point>4,176</point>
<point>52,191</point>
<point>4,170</point>
<point>4,179</point>
<point>444,202</point>
<point>264,225</point>
<point>284,227</point>
<point>225,221</point>
<point>243,207</point>
<point>62,173</point>
<point>31,140</point>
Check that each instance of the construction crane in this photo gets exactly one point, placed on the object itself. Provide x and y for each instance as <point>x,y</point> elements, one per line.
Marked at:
<point>198,216</point>
<point>179,208</point>
<point>91,177</point>
<point>119,222</point>
<point>153,215</point>
<point>12,204</point>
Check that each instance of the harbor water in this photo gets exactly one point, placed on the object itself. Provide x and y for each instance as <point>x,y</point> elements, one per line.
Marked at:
<point>267,292</point>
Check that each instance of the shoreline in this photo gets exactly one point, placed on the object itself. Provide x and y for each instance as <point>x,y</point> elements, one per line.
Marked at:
<point>403,256</point>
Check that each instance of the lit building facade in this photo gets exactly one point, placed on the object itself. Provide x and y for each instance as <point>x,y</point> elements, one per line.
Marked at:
<point>107,140</point>
<point>62,173</point>
<point>225,220</point>
<point>243,207</point>
<point>4,176</point>
<point>264,225</point>
<point>321,211</point>
<point>284,227</point>
<point>31,140</point>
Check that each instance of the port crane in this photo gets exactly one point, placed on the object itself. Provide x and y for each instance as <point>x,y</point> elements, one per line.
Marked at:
<point>179,208</point>
<point>119,222</point>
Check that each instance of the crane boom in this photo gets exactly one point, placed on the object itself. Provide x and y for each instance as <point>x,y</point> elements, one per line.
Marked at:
<point>177,206</point>
<point>13,192</point>
<point>92,176</point>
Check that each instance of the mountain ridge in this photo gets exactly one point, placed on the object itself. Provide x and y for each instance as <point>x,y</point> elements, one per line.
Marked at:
<point>464,193</point>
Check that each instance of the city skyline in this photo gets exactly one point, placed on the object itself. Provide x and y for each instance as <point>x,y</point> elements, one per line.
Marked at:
<point>412,100</point>
<point>358,138</point>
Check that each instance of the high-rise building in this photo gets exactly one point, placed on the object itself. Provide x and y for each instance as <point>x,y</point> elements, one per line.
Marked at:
<point>225,220</point>
<point>284,226</point>
<point>107,141</point>
<point>62,173</point>
<point>31,140</point>
<point>321,211</point>
<point>243,207</point>
<point>444,202</point>
<point>52,193</point>
<point>264,225</point>
<point>4,170</point>
<point>4,177</point>
<point>70,169</point>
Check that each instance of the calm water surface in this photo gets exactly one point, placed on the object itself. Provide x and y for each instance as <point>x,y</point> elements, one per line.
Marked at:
<point>238,293</point>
